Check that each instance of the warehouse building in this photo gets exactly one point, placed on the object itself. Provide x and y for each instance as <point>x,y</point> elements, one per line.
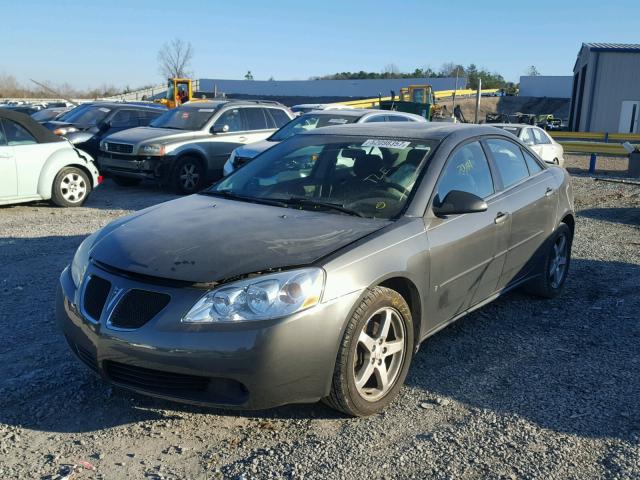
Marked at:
<point>546,86</point>
<point>606,89</point>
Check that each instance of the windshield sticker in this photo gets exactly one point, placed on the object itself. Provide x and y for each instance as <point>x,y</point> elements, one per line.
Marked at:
<point>207,110</point>
<point>378,142</point>
<point>341,121</point>
<point>185,115</point>
<point>105,110</point>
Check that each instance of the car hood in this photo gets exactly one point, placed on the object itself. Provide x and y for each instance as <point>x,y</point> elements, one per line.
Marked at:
<point>208,239</point>
<point>253,149</point>
<point>141,134</point>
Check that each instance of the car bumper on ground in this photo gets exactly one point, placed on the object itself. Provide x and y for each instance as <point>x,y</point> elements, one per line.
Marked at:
<point>251,365</point>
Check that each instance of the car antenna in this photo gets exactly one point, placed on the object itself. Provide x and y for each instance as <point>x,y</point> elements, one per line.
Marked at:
<point>54,92</point>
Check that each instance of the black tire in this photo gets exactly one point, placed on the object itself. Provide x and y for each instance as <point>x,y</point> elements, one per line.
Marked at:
<point>547,284</point>
<point>188,176</point>
<point>71,187</point>
<point>344,395</point>
<point>127,181</point>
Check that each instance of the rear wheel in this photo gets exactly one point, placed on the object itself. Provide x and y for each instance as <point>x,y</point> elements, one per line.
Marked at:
<point>127,181</point>
<point>374,355</point>
<point>71,187</point>
<point>555,265</point>
<point>188,176</point>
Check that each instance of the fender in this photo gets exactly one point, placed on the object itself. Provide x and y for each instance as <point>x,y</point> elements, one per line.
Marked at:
<point>65,157</point>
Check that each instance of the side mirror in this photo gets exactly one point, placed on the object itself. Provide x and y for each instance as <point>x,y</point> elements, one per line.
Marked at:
<point>220,128</point>
<point>457,202</point>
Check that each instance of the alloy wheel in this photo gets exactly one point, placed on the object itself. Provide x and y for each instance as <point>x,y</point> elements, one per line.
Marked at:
<point>73,187</point>
<point>189,176</point>
<point>380,353</point>
<point>558,264</point>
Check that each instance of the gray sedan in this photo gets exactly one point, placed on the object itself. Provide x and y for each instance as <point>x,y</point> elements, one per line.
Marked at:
<point>315,271</point>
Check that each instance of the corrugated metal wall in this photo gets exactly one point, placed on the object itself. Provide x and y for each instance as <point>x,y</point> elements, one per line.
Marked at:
<point>323,88</point>
<point>552,86</point>
<point>617,79</point>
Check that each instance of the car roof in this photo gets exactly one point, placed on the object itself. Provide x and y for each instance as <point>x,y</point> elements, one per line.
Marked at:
<point>220,103</point>
<point>404,130</point>
<point>513,125</point>
<point>114,105</point>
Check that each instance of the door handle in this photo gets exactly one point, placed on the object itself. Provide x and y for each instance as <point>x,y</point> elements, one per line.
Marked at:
<point>242,139</point>
<point>501,217</point>
<point>548,192</point>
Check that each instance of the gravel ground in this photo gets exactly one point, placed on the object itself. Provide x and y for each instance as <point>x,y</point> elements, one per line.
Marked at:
<point>522,388</point>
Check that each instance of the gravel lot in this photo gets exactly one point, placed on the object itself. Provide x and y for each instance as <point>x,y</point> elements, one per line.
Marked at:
<point>522,388</point>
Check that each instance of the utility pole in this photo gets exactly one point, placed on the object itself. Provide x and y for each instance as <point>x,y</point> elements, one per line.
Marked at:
<point>478,100</point>
<point>53,91</point>
<point>453,105</point>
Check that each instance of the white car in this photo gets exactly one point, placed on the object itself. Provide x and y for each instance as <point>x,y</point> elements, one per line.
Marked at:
<point>311,121</point>
<point>538,140</point>
<point>35,164</point>
<point>308,107</point>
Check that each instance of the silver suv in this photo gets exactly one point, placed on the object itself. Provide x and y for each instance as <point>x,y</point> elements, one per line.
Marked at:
<point>185,148</point>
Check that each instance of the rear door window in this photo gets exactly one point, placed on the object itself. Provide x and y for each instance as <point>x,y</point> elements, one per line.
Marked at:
<point>533,166</point>
<point>376,118</point>
<point>397,118</point>
<point>509,161</point>
<point>278,116</point>
<point>124,118</point>
<point>255,119</point>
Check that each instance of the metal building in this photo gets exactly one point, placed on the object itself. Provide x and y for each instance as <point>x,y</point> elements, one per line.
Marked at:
<point>606,88</point>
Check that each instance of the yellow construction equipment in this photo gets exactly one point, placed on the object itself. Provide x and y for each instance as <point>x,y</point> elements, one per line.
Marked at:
<point>179,91</point>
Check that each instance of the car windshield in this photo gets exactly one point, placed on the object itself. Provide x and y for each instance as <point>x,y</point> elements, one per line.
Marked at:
<point>87,116</point>
<point>46,114</point>
<point>184,118</point>
<point>310,121</point>
<point>368,177</point>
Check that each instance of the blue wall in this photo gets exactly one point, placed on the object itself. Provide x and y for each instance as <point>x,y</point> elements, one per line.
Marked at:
<point>323,88</point>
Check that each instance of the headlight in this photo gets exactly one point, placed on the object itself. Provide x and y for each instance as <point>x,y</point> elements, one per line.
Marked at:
<point>81,260</point>
<point>260,298</point>
<point>153,149</point>
<point>65,130</point>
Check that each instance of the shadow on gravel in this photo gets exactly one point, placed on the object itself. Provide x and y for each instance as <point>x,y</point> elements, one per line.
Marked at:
<point>624,215</point>
<point>569,364</point>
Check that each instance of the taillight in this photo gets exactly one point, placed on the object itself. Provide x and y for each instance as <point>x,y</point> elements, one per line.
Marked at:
<point>100,178</point>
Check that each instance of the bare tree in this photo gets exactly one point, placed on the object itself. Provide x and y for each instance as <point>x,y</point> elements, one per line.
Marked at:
<point>175,58</point>
<point>532,71</point>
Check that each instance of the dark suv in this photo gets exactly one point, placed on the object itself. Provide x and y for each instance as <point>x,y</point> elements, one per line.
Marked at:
<point>87,124</point>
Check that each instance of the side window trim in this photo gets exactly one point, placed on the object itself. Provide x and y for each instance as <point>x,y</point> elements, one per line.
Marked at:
<point>4,135</point>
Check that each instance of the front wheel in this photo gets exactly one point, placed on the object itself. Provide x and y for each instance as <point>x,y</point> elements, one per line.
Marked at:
<point>188,176</point>
<point>374,356</point>
<point>555,265</point>
<point>70,188</point>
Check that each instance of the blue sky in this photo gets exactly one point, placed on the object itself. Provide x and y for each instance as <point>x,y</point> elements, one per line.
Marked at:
<point>116,42</point>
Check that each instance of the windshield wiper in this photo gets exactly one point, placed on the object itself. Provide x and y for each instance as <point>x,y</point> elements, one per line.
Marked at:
<point>310,202</point>
<point>244,198</point>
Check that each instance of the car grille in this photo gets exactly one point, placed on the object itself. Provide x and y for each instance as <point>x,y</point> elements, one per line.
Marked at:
<point>95,296</point>
<point>119,147</point>
<point>137,307</point>
<point>240,161</point>
<point>154,380</point>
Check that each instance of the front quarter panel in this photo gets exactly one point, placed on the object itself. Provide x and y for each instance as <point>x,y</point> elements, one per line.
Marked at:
<point>57,161</point>
<point>399,250</point>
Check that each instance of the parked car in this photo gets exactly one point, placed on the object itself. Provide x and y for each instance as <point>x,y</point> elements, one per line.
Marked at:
<point>85,126</point>
<point>310,121</point>
<point>309,107</point>
<point>538,140</point>
<point>186,147</point>
<point>38,165</point>
<point>48,114</point>
<point>315,271</point>
<point>25,109</point>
